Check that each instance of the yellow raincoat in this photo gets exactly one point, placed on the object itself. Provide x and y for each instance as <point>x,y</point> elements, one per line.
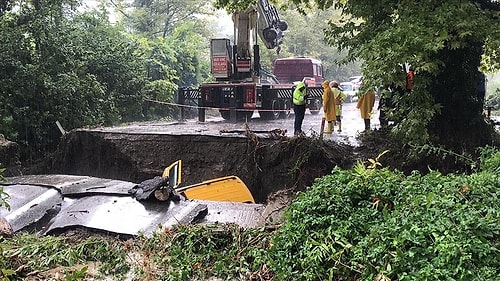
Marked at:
<point>338,95</point>
<point>299,94</point>
<point>366,103</point>
<point>328,101</point>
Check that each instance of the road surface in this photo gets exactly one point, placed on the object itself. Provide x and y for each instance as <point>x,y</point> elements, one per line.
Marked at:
<point>352,125</point>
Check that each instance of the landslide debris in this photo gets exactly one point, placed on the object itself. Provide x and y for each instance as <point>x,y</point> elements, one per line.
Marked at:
<point>265,164</point>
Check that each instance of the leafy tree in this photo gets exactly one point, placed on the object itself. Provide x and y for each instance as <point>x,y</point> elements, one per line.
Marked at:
<point>172,39</point>
<point>444,41</point>
<point>190,42</point>
<point>305,37</point>
<point>171,63</point>
<point>159,18</point>
<point>58,66</point>
<point>5,5</point>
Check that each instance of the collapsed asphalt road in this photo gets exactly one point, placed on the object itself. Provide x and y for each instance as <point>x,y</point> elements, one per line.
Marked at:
<point>51,204</point>
<point>86,181</point>
<point>273,164</point>
<point>215,148</point>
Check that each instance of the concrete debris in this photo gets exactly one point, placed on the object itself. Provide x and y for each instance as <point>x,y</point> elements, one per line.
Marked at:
<point>51,204</point>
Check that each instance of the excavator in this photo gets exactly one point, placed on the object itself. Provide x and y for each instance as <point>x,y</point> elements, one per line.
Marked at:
<point>167,187</point>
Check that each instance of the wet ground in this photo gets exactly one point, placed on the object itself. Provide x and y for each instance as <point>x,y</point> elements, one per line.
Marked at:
<point>352,125</point>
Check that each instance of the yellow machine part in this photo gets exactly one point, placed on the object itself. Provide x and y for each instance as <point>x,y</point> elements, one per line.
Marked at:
<point>227,189</point>
<point>230,188</point>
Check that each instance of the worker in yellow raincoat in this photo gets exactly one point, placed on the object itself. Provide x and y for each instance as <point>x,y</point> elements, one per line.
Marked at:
<point>328,106</point>
<point>365,106</point>
<point>339,98</point>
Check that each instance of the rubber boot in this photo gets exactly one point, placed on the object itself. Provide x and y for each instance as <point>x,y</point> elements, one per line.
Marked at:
<point>367,124</point>
<point>329,128</point>
<point>340,126</point>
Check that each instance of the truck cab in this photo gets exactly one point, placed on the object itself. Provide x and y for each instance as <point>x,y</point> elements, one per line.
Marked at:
<point>290,70</point>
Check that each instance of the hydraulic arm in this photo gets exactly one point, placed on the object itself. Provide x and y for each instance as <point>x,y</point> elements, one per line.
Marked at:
<point>241,61</point>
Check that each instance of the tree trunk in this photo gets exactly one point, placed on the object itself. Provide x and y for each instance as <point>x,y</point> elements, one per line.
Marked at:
<point>460,90</point>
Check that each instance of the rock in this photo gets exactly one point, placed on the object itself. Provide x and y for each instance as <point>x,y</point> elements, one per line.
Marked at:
<point>5,228</point>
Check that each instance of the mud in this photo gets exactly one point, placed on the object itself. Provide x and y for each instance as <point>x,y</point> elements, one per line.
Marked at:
<point>265,164</point>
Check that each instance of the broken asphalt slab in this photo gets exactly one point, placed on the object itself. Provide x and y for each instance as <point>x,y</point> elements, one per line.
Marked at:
<point>49,204</point>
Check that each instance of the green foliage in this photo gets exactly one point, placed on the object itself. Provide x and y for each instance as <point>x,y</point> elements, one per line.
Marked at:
<point>187,252</point>
<point>25,253</point>
<point>78,69</point>
<point>76,275</point>
<point>364,223</point>
<point>3,196</point>
<point>231,5</point>
<point>158,18</point>
<point>490,159</point>
<point>443,154</point>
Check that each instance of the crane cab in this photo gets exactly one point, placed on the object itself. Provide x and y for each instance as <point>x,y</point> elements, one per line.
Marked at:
<point>221,58</point>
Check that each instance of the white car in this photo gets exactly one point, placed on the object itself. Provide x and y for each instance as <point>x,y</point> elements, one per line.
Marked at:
<point>350,89</point>
<point>355,79</point>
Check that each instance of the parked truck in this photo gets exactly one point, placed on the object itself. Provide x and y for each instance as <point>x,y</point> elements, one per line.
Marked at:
<point>239,88</point>
<point>290,70</point>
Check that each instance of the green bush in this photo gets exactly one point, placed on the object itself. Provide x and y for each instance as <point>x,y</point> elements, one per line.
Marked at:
<point>490,159</point>
<point>200,252</point>
<point>3,196</point>
<point>369,224</point>
<point>26,254</point>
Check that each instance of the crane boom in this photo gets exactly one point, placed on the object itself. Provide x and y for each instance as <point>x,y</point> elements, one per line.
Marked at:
<point>241,87</point>
<point>270,27</point>
<point>241,61</point>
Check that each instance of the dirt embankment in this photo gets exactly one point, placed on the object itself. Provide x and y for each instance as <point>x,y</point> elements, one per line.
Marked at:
<point>266,165</point>
<point>9,157</point>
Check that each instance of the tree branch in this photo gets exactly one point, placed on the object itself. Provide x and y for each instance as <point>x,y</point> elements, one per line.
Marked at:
<point>493,5</point>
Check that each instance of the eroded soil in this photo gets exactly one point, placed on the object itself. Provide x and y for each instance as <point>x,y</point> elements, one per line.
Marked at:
<point>265,164</point>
